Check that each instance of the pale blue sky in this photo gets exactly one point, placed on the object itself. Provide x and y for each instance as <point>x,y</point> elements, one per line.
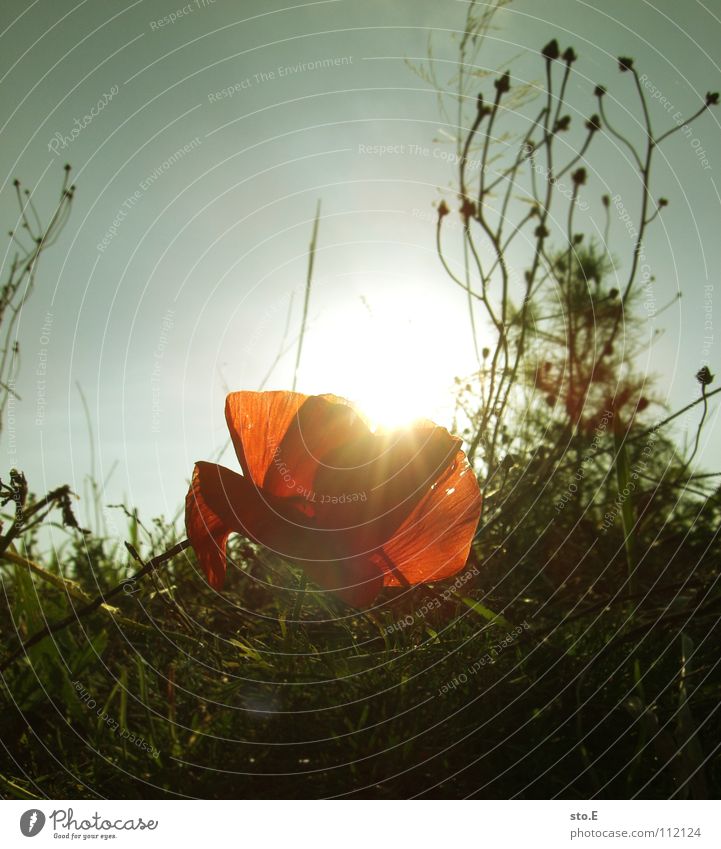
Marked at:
<point>188,295</point>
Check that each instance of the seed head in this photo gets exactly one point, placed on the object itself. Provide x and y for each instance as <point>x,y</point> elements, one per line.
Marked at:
<point>551,51</point>
<point>503,84</point>
<point>704,376</point>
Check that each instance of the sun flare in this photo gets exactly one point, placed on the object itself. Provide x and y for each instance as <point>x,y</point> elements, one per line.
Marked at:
<point>395,356</point>
<point>394,406</point>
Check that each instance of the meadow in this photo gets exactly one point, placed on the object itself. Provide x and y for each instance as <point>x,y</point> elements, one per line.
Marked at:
<point>574,656</point>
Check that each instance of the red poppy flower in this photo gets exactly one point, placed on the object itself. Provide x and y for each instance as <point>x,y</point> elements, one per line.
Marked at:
<point>357,510</point>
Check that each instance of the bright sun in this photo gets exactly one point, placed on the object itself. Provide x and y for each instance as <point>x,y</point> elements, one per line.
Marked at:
<point>394,403</point>
<point>393,356</point>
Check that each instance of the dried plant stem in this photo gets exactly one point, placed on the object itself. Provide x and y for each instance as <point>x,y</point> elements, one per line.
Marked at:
<point>704,399</point>
<point>492,231</point>
<point>309,279</point>
<point>98,602</point>
<point>59,496</point>
<point>20,280</point>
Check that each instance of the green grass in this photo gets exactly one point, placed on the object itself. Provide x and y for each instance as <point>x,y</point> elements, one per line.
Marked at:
<point>185,693</point>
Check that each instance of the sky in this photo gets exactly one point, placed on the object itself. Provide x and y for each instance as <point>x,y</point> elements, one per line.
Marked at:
<point>214,130</point>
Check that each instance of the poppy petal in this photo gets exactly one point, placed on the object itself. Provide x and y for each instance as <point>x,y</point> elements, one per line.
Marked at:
<point>207,532</point>
<point>321,425</point>
<point>220,502</point>
<point>257,422</point>
<point>434,541</point>
<point>373,484</point>
<point>355,509</point>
